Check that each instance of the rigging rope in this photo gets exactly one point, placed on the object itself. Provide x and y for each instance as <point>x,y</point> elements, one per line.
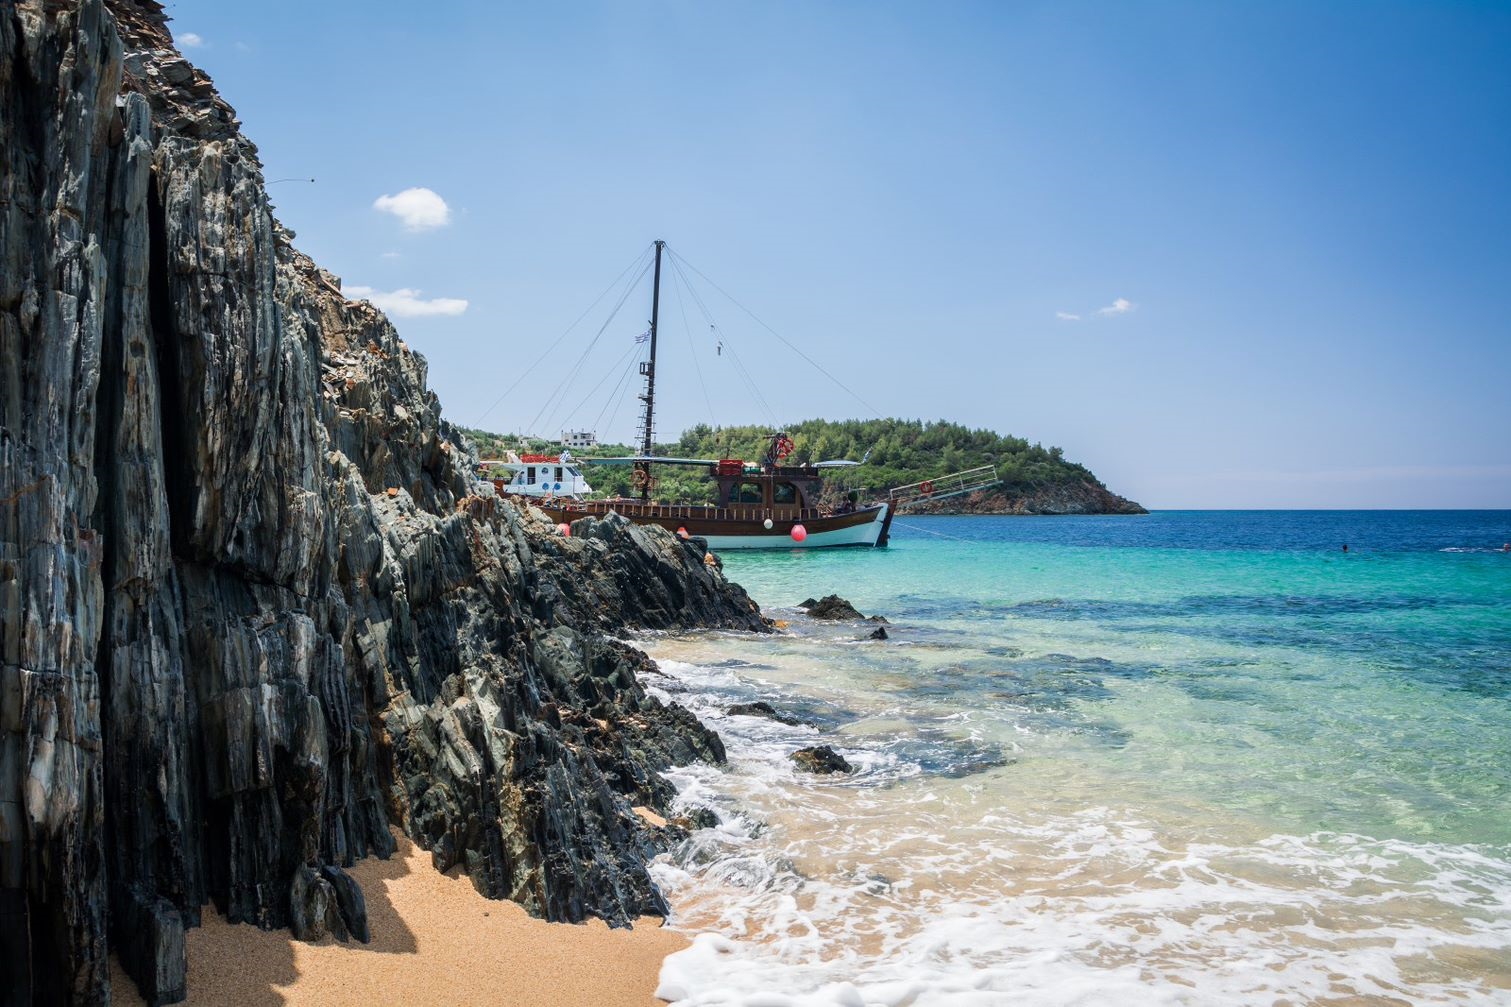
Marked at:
<point>572,371</point>
<point>616,369</point>
<point>614,416</point>
<point>740,371</point>
<point>692,346</point>
<point>644,254</point>
<point>679,259</point>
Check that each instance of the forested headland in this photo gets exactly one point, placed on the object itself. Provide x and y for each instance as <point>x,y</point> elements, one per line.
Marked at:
<point>1033,479</point>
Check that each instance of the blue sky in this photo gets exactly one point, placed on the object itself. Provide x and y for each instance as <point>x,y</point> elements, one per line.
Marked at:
<point>1285,228</point>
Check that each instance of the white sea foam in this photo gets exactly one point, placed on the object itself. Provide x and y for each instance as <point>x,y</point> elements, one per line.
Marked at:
<point>896,888</point>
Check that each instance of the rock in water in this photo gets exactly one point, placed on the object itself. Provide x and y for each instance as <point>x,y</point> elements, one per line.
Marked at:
<point>699,818</point>
<point>833,608</point>
<point>879,633</point>
<point>821,759</point>
<point>254,607</point>
<point>761,708</point>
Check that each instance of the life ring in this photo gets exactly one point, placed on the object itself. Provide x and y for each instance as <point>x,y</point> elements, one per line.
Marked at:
<point>926,487</point>
<point>640,477</point>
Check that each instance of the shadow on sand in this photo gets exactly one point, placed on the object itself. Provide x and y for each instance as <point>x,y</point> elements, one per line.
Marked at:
<point>236,963</point>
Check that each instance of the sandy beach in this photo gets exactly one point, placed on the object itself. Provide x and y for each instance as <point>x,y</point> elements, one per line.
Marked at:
<point>435,940</point>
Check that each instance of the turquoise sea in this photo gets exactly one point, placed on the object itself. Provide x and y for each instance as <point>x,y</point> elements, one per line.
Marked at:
<point>1188,758</point>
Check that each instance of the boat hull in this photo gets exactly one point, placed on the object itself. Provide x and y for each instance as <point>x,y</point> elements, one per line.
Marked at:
<point>738,527</point>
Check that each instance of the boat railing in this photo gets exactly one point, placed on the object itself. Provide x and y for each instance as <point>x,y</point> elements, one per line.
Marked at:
<point>954,484</point>
<point>685,512</point>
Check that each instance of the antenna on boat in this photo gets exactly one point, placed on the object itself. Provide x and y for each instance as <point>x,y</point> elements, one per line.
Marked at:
<point>648,368</point>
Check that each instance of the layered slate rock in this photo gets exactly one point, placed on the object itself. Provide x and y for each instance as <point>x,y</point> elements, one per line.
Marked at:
<point>255,610</point>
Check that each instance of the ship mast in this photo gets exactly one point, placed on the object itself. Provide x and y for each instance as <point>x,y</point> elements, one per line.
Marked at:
<point>648,368</point>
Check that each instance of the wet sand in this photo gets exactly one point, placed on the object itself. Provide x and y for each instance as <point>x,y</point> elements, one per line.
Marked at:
<point>435,940</point>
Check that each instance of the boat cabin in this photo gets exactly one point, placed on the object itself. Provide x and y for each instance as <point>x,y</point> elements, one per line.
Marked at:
<point>782,491</point>
<point>538,476</point>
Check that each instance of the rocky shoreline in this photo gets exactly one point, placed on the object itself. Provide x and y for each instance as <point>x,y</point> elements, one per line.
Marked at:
<point>1064,499</point>
<point>257,609</point>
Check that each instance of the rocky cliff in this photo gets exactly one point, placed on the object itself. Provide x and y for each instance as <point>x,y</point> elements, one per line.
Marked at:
<point>1060,498</point>
<point>254,609</point>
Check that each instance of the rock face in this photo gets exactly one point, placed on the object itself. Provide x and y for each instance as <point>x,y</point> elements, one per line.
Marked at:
<point>1062,498</point>
<point>254,609</point>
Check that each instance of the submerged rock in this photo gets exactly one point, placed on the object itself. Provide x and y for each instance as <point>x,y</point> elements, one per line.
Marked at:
<point>761,708</point>
<point>820,759</point>
<point>256,608</point>
<point>879,633</point>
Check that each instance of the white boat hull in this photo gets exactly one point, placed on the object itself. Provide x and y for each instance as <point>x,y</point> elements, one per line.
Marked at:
<point>861,534</point>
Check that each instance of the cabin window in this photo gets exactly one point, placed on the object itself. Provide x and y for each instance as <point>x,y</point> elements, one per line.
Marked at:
<point>749,493</point>
<point>531,475</point>
<point>558,473</point>
<point>784,493</point>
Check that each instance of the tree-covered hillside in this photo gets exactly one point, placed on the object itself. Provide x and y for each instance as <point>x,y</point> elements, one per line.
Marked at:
<point>900,452</point>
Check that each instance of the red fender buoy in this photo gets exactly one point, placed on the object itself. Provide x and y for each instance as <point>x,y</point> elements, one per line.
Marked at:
<point>799,533</point>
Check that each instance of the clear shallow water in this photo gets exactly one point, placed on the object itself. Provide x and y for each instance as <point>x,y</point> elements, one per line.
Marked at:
<point>1190,758</point>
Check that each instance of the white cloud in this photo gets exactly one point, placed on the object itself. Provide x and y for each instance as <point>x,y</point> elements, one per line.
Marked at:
<point>1066,316</point>
<point>189,40</point>
<point>390,255</point>
<point>1121,306</point>
<point>242,47</point>
<point>419,208</point>
<point>407,303</point>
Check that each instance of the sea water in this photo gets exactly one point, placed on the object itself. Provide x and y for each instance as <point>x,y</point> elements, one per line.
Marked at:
<point>1188,758</point>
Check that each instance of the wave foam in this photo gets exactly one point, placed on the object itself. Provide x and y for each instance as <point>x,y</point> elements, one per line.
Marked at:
<point>907,888</point>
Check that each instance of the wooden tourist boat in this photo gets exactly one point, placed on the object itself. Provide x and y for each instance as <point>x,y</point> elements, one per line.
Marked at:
<point>758,507</point>
<point>764,505</point>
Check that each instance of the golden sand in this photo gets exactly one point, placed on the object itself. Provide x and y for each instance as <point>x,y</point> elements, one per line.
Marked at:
<point>435,940</point>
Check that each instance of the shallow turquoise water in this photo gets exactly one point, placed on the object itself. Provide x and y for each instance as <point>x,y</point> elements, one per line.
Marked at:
<point>1226,705</point>
<point>1363,691</point>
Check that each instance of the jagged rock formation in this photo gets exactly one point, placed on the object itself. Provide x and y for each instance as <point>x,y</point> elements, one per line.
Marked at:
<point>254,609</point>
<point>1085,497</point>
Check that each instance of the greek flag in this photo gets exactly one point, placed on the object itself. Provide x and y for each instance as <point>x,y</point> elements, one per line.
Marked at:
<point>644,336</point>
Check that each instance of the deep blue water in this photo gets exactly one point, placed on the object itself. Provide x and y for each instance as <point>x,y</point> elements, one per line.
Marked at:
<point>1361,531</point>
